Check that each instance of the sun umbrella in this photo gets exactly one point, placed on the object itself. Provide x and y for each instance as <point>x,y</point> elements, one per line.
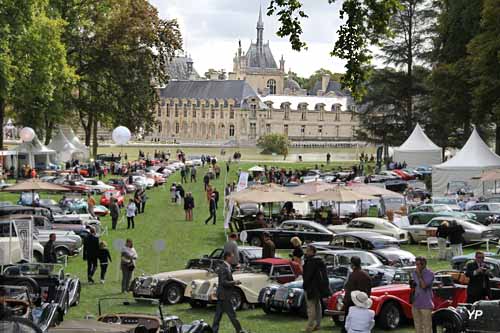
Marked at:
<point>256,168</point>
<point>310,188</point>
<point>35,185</point>
<point>264,194</point>
<point>373,190</point>
<point>339,194</point>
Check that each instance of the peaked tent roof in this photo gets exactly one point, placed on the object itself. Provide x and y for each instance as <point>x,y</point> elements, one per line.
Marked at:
<point>70,135</point>
<point>474,154</point>
<point>418,141</point>
<point>34,147</point>
<point>60,143</point>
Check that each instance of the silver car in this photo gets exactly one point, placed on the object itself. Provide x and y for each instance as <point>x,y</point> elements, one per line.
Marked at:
<point>474,231</point>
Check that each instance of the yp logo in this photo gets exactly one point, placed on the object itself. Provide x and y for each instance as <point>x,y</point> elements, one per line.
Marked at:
<point>474,314</point>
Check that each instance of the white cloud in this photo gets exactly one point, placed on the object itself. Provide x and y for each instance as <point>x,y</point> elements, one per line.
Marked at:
<point>211,29</point>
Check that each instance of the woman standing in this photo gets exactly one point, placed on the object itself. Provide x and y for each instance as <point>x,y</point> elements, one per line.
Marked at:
<point>127,265</point>
<point>138,201</point>
<point>189,206</point>
<point>131,211</point>
<point>297,253</point>
<point>104,259</point>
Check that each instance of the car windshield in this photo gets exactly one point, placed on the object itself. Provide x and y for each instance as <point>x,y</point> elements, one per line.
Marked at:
<point>259,267</point>
<point>34,270</point>
<point>129,305</point>
<point>389,225</point>
<point>253,253</point>
<point>441,208</point>
<point>380,243</point>
<point>367,258</point>
<point>494,206</point>
<point>445,201</point>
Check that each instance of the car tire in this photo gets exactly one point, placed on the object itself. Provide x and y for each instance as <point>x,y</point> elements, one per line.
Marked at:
<point>195,304</point>
<point>389,317</point>
<point>62,251</point>
<point>446,321</point>
<point>267,308</point>
<point>77,296</point>
<point>237,300</point>
<point>37,256</point>
<point>256,241</point>
<point>172,293</point>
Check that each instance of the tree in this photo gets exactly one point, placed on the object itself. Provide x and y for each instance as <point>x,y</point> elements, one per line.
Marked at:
<point>15,18</point>
<point>273,143</point>
<point>484,58</point>
<point>365,23</point>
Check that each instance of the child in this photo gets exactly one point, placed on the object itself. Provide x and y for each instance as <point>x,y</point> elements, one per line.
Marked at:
<point>131,211</point>
<point>104,256</point>
<point>360,318</point>
<point>173,193</point>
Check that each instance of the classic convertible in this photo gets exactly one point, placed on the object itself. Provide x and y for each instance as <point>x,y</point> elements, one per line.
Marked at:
<point>169,286</point>
<point>257,275</point>
<point>307,231</point>
<point>391,303</point>
<point>481,317</point>
<point>424,213</point>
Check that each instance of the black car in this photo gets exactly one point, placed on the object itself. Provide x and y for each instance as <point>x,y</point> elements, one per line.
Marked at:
<point>307,231</point>
<point>482,316</point>
<point>385,247</point>
<point>290,297</point>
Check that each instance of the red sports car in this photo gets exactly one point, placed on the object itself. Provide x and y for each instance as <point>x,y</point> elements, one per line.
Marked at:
<point>403,175</point>
<point>107,195</point>
<point>391,303</point>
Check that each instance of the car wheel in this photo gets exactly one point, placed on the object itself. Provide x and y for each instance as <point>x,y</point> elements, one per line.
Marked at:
<point>267,308</point>
<point>172,294</point>
<point>77,297</point>
<point>237,300</point>
<point>61,251</point>
<point>256,241</point>
<point>30,285</point>
<point>446,322</point>
<point>195,304</point>
<point>37,256</point>
<point>390,316</point>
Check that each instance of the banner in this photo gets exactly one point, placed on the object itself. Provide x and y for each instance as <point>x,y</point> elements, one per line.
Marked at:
<point>242,184</point>
<point>243,181</point>
<point>24,231</point>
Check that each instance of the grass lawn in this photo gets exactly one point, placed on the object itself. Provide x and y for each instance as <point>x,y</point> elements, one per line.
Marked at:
<point>184,240</point>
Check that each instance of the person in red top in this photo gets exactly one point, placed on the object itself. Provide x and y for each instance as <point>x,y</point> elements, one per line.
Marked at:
<point>33,173</point>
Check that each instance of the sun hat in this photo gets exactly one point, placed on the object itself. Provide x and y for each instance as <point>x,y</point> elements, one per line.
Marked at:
<point>361,299</point>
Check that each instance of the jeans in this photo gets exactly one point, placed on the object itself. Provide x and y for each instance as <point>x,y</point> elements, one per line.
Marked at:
<point>456,250</point>
<point>114,221</point>
<point>91,268</point>
<point>422,319</point>
<point>130,221</point>
<point>126,278</point>
<point>143,205</point>
<point>212,215</point>
<point>224,305</point>
<point>104,268</point>
<point>314,314</point>
<point>442,248</point>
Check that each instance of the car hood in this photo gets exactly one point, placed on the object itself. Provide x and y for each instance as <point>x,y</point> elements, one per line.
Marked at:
<point>184,274</point>
<point>388,289</point>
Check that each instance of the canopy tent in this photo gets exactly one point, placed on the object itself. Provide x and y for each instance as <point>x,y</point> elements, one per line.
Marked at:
<point>418,149</point>
<point>264,194</point>
<point>310,188</point>
<point>70,135</point>
<point>374,190</point>
<point>8,159</point>
<point>256,168</point>
<point>65,150</point>
<point>467,165</point>
<point>35,153</point>
<point>339,194</point>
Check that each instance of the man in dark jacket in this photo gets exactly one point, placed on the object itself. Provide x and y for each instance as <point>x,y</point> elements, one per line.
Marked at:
<point>225,288</point>
<point>212,207</point>
<point>442,236</point>
<point>114,211</point>
<point>316,287</point>
<point>216,197</point>
<point>206,181</point>
<point>268,248</point>
<point>91,253</point>
<point>456,237</point>
<point>49,250</point>
<point>479,275</point>
<point>358,280</point>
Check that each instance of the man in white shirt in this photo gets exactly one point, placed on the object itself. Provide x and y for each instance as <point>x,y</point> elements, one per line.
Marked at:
<point>361,319</point>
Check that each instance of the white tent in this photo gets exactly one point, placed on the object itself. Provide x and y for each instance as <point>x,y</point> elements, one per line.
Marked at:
<point>34,153</point>
<point>418,150</point>
<point>70,135</point>
<point>65,150</point>
<point>467,165</point>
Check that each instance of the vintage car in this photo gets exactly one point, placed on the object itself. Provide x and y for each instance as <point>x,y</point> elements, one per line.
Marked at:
<point>307,231</point>
<point>97,186</point>
<point>121,185</point>
<point>45,282</point>
<point>8,230</point>
<point>127,315</point>
<point>378,225</point>
<point>482,316</point>
<point>107,195</point>
<point>254,277</point>
<point>386,248</point>
<point>169,287</point>
<point>451,202</point>
<point>492,262</point>
<point>391,303</point>
<point>483,210</point>
<point>17,302</point>
<point>474,231</point>
<point>290,296</point>
<point>424,213</point>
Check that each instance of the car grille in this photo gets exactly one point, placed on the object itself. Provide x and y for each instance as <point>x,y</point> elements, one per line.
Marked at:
<point>281,294</point>
<point>204,287</point>
<point>146,282</point>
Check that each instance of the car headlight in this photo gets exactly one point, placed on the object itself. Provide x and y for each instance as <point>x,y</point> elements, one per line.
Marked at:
<point>154,282</point>
<point>193,285</point>
<point>291,294</point>
<point>268,292</point>
<point>340,302</point>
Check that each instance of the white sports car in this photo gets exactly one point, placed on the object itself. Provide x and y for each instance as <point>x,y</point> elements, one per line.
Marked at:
<point>374,224</point>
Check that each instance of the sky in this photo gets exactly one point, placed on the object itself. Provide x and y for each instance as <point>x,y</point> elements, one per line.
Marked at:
<point>211,30</point>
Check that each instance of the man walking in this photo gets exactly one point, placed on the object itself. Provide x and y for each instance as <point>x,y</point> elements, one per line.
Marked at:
<point>316,286</point>
<point>225,288</point>
<point>479,283</point>
<point>216,193</point>
<point>193,174</point>
<point>422,279</point>
<point>358,280</point>
<point>212,208</point>
<point>268,248</point>
<point>231,246</point>
<point>114,211</point>
<point>91,253</point>
<point>49,251</point>
<point>206,181</point>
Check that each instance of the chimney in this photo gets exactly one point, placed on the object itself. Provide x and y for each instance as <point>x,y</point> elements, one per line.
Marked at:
<point>325,79</point>
<point>282,64</point>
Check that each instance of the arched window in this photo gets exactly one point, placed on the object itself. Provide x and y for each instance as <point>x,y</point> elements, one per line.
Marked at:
<point>231,130</point>
<point>271,85</point>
